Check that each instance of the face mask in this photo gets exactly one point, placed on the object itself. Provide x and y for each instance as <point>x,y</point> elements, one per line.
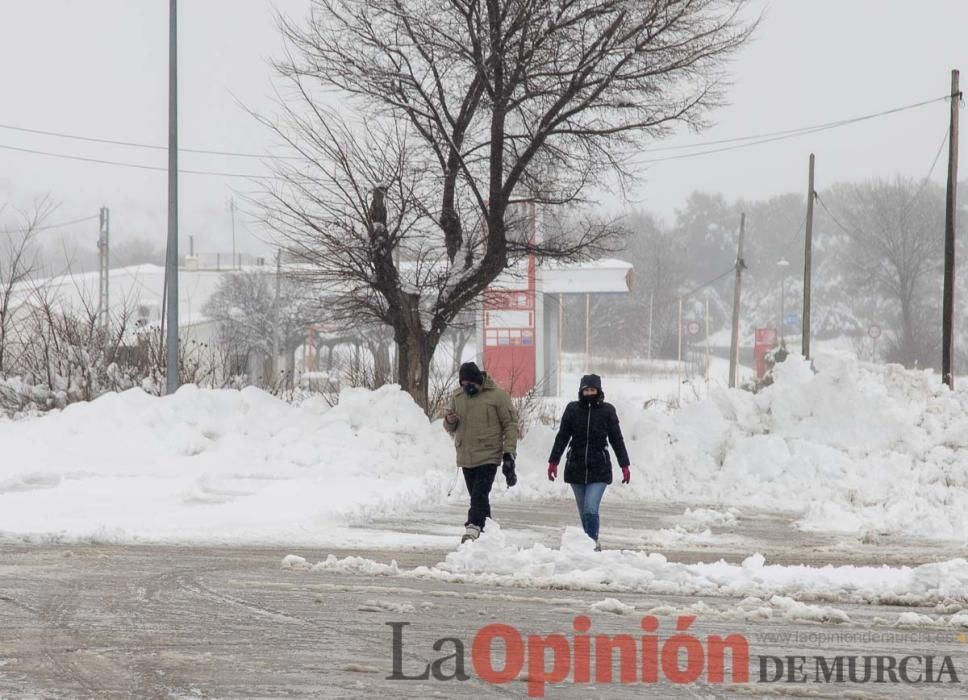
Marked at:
<point>470,389</point>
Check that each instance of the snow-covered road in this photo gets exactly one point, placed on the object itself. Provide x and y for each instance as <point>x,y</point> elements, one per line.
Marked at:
<point>86,620</point>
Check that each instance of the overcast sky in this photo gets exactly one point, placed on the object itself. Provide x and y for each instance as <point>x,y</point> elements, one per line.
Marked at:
<point>99,68</point>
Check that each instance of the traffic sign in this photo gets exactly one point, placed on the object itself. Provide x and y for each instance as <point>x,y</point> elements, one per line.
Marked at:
<point>692,327</point>
<point>874,331</point>
<point>792,319</point>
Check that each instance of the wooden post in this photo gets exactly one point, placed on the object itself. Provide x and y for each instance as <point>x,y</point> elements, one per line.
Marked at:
<point>807,261</point>
<point>951,203</point>
<point>734,342</point>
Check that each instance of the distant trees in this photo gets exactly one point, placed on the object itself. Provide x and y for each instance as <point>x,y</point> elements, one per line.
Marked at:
<point>894,249</point>
<point>878,252</point>
<point>255,314</point>
<point>660,261</point>
<point>18,260</point>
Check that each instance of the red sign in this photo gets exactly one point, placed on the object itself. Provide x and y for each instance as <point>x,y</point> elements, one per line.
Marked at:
<point>510,356</point>
<point>874,331</point>
<point>766,340</point>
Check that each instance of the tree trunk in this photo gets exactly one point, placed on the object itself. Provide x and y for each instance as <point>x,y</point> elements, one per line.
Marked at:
<point>290,368</point>
<point>3,341</point>
<point>908,340</point>
<point>415,351</point>
<point>413,367</point>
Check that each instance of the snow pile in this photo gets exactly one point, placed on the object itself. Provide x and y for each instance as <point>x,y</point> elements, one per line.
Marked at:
<point>217,466</point>
<point>575,565</point>
<point>855,448</point>
<point>612,605</point>
<point>861,449</point>
<point>695,519</point>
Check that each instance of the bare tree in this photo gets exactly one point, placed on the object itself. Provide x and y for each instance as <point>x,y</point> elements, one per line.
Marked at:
<point>894,244</point>
<point>67,354</point>
<point>249,314</point>
<point>18,260</point>
<point>460,108</point>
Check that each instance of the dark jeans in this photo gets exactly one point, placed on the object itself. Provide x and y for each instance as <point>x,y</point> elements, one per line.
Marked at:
<point>479,481</point>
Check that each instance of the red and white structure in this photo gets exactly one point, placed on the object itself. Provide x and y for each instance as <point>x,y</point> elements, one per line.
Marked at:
<point>519,331</point>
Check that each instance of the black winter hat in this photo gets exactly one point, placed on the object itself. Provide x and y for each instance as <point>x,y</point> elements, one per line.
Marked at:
<point>470,372</point>
<point>591,380</point>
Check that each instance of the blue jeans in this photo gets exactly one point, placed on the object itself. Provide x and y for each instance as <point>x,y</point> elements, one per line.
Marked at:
<point>589,498</point>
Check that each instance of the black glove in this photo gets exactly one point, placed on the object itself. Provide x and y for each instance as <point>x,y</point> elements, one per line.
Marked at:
<point>507,467</point>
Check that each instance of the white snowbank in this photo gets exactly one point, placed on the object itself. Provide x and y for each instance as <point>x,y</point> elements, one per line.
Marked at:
<point>576,566</point>
<point>854,447</point>
<point>217,466</point>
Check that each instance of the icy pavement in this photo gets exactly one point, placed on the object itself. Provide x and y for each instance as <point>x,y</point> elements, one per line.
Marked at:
<point>163,621</point>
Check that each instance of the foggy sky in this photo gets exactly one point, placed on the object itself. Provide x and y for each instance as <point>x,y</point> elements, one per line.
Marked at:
<point>99,68</point>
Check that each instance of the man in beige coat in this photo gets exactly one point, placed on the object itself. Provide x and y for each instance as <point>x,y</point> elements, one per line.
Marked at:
<point>484,425</point>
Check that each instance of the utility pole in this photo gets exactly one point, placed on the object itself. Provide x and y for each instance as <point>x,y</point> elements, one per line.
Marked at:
<point>232,209</point>
<point>734,342</point>
<point>171,368</point>
<point>104,309</point>
<point>588,336</point>
<point>807,261</point>
<point>947,324</point>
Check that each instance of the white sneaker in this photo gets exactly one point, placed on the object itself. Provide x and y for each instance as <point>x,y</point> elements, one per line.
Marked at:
<point>471,533</point>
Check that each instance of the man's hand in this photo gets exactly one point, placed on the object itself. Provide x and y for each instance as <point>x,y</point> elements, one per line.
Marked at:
<point>451,418</point>
<point>507,467</point>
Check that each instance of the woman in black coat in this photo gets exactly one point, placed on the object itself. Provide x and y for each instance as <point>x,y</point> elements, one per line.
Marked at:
<point>587,424</point>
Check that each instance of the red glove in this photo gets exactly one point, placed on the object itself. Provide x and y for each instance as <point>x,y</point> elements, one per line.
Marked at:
<point>626,475</point>
<point>552,470</point>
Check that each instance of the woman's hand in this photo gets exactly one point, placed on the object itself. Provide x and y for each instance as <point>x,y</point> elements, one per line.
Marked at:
<point>552,470</point>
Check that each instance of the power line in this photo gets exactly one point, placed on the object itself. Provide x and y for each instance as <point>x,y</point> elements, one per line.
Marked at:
<point>800,230</point>
<point>824,125</point>
<point>139,166</point>
<point>749,141</point>
<point>832,217</point>
<point>739,142</point>
<point>47,227</point>
<point>927,178</point>
<point>66,223</point>
<point>135,144</point>
<point>711,282</point>
<point>907,207</point>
